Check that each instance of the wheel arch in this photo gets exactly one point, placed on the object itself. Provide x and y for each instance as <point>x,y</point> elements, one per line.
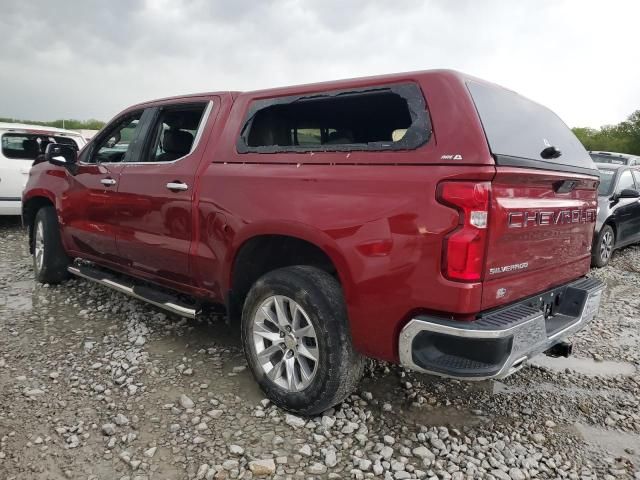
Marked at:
<point>611,222</point>
<point>284,245</point>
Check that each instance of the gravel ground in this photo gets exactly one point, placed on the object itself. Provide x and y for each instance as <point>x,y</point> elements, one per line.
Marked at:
<point>94,385</point>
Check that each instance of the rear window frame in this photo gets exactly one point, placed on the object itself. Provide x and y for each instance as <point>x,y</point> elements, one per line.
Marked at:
<point>418,133</point>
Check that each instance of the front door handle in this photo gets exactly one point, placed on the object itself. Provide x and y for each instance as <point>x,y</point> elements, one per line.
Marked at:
<point>177,186</point>
<point>108,182</point>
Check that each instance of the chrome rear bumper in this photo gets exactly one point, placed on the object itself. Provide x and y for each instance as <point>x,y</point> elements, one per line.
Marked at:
<point>500,341</point>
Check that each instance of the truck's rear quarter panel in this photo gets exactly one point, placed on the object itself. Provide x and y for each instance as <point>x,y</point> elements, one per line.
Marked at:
<point>344,201</point>
<point>343,209</point>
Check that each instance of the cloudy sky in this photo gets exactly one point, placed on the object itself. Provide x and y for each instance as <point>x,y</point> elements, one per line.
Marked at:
<point>89,58</point>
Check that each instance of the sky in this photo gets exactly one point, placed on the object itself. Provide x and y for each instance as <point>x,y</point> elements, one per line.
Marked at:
<point>90,58</point>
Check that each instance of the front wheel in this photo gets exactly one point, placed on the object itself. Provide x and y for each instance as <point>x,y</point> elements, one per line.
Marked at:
<point>50,261</point>
<point>603,249</point>
<point>297,342</point>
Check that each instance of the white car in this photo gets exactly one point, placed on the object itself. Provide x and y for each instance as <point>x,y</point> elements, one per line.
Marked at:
<point>20,145</point>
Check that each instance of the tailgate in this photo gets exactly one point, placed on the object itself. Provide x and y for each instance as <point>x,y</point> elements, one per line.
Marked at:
<point>540,232</point>
<point>543,204</point>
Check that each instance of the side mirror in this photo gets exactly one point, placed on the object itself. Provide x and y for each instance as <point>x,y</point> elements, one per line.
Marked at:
<point>61,154</point>
<point>629,193</point>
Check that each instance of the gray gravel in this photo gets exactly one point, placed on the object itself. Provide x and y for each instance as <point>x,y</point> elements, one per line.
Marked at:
<point>94,385</point>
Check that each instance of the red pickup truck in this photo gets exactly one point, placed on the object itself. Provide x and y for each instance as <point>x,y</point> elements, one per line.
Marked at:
<point>430,219</point>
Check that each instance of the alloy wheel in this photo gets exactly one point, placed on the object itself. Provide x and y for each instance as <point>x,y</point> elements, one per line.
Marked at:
<point>606,246</point>
<point>38,249</point>
<point>285,343</point>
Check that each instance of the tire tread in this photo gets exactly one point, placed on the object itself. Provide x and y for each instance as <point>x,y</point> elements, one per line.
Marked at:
<point>56,261</point>
<point>347,367</point>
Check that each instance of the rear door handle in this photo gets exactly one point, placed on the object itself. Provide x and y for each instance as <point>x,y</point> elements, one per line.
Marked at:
<point>108,182</point>
<point>177,186</point>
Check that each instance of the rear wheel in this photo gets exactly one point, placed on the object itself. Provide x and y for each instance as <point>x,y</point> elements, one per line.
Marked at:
<point>297,342</point>
<point>603,249</point>
<point>50,261</point>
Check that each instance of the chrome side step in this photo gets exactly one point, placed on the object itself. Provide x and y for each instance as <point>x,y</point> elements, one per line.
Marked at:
<point>146,294</point>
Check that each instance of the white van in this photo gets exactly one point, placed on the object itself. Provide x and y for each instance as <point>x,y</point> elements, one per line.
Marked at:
<point>20,145</point>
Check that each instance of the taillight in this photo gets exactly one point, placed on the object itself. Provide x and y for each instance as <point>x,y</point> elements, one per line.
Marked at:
<point>464,248</point>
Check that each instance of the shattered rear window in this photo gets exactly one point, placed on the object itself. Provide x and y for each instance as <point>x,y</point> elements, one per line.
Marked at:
<point>391,117</point>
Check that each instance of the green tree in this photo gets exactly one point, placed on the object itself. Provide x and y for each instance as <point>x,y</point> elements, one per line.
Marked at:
<point>91,124</point>
<point>623,137</point>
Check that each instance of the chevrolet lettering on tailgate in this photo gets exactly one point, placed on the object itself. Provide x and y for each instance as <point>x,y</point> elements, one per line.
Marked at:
<point>539,218</point>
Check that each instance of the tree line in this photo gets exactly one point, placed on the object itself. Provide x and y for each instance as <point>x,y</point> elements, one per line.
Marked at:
<point>623,137</point>
<point>72,124</point>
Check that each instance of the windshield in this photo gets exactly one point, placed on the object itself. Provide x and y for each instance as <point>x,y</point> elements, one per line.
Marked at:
<point>27,146</point>
<point>608,159</point>
<point>519,128</point>
<point>606,181</point>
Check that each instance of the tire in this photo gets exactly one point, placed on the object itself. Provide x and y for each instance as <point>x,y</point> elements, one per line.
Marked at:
<point>50,261</point>
<point>316,299</point>
<point>603,247</point>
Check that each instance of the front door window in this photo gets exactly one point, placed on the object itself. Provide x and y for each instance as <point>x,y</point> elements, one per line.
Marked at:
<point>113,148</point>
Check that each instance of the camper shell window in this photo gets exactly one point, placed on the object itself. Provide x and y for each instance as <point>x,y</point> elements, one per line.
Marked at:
<point>388,117</point>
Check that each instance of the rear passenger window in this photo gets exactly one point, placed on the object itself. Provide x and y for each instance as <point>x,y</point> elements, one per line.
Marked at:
<point>175,132</point>
<point>391,117</point>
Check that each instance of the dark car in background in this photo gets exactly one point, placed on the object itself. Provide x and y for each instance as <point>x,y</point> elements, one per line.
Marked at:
<point>618,222</point>
<point>615,158</point>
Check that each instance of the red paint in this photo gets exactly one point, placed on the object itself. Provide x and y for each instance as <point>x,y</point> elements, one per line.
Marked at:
<point>88,210</point>
<point>555,253</point>
<point>375,214</point>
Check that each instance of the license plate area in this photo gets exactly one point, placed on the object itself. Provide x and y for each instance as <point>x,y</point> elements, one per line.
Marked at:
<point>563,300</point>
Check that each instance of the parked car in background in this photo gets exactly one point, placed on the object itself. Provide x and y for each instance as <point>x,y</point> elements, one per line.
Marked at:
<point>615,158</point>
<point>618,222</point>
<point>333,226</point>
<point>20,145</point>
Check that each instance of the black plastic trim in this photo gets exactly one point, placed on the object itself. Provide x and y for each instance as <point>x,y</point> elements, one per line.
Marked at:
<point>468,357</point>
<point>509,161</point>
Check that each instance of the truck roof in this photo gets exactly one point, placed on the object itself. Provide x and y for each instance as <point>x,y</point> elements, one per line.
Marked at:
<point>359,81</point>
<point>328,85</point>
